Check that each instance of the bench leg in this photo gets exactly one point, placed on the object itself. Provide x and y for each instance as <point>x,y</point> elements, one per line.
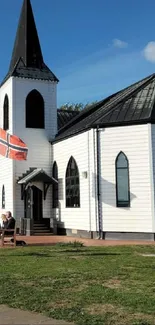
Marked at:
<point>14,238</point>
<point>2,240</point>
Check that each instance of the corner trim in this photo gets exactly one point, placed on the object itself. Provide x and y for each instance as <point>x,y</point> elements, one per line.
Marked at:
<point>150,155</point>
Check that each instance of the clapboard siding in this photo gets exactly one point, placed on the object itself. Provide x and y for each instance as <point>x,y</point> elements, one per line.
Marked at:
<point>21,88</point>
<point>37,140</point>
<point>134,142</point>
<point>153,168</point>
<point>6,89</point>
<point>6,179</point>
<point>84,216</point>
<point>6,165</point>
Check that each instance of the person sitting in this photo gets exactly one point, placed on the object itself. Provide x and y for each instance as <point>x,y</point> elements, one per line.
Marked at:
<point>10,223</point>
<point>4,221</point>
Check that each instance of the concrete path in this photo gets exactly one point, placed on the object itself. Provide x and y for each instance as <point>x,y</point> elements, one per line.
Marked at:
<point>11,316</point>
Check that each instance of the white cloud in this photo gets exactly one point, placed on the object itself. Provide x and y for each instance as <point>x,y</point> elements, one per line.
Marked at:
<point>149,52</point>
<point>118,43</point>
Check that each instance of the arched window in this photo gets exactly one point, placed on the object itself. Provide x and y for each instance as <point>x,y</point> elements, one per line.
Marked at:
<point>3,197</point>
<point>35,110</point>
<point>6,113</point>
<point>55,185</point>
<point>72,184</point>
<point>122,181</point>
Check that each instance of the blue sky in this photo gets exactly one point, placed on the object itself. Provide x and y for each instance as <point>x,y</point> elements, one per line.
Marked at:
<point>94,47</point>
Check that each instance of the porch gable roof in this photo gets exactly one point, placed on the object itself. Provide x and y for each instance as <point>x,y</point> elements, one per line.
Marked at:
<point>37,175</point>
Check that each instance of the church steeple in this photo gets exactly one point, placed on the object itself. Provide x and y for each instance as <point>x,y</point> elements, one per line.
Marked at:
<point>27,46</point>
<point>27,59</point>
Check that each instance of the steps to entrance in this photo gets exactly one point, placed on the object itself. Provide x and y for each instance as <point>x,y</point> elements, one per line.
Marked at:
<point>41,229</point>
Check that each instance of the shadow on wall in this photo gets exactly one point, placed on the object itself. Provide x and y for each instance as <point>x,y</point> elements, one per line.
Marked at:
<point>57,218</point>
<point>108,192</point>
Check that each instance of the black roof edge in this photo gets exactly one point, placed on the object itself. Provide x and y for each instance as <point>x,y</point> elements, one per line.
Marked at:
<point>104,126</point>
<point>67,110</point>
<point>84,113</point>
<point>12,76</point>
<point>69,136</point>
<point>120,124</point>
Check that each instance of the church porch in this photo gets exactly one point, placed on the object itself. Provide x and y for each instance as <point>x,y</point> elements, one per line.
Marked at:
<point>34,187</point>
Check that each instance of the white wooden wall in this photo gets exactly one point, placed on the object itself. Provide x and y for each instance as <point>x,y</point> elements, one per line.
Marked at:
<point>135,142</point>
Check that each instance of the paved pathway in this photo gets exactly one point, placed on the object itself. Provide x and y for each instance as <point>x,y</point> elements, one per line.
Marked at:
<point>52,240</point>
<point>11,316</point>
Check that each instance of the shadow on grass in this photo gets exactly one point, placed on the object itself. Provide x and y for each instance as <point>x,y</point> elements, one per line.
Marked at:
<point>87,253</point>
<point>74,252</point>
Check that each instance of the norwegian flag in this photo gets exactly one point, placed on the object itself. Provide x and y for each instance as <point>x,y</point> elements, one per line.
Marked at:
<point>12,147</point>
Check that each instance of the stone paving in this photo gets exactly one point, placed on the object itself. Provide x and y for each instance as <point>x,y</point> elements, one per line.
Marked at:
<point>11,316</point>
<point>52,240</point>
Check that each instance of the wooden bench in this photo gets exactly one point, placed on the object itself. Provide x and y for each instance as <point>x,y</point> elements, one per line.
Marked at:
<point>5,235</point>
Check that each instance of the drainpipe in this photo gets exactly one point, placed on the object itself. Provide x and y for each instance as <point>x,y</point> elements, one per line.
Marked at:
<point>98,182</point>
<point>89,177</point>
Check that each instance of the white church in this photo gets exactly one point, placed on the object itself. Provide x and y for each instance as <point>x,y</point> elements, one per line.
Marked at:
<point>89,174</point>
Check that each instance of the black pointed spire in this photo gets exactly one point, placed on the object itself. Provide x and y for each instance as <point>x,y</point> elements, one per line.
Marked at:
<point>27,59</point>
<point>27,46</point>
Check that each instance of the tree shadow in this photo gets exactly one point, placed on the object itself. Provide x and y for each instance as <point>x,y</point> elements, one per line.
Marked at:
<point>108,192</point>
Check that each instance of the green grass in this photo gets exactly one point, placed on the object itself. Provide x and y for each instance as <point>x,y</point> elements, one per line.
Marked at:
<point>88,286</point>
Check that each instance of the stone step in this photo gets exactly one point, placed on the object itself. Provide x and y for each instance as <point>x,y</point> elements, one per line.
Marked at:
<point>43,234</point>
<point>41,230</point>
<point>40,227</point>
<point>40,224</point>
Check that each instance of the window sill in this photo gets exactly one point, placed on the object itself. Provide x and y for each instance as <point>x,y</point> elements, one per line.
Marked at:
<point>123,205</point>
<point>72,207</point>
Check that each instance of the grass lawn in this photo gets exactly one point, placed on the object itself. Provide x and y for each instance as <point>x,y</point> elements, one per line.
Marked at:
<point>85,285</point>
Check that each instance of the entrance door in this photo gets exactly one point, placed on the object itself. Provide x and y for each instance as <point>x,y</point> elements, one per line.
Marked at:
<point>37,209</point>
<point>28,202</point>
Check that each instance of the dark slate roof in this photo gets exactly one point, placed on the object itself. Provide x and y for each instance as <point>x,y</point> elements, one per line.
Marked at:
<point>64,116</point>
<point>132,105</point>
<point>27,59</point>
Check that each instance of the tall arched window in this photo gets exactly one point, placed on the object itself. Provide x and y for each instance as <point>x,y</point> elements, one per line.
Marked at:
<point>35,110</point>
<point>72,184</point>
<point>3,197</point>
<point>6,113</point>
<point>55,185</point>
<point>122,181</point>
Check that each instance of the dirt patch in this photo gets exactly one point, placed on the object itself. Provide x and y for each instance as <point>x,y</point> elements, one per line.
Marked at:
<point>77,257</point>
<point>81,287</point>
<point>59,304</point>
<point>128,267</point>
<point>78,288</point>
<point>146,255</point>
<point>27,284</point>
<point>118,315</point>
<point>99,309</point>
<point>112,283</point>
